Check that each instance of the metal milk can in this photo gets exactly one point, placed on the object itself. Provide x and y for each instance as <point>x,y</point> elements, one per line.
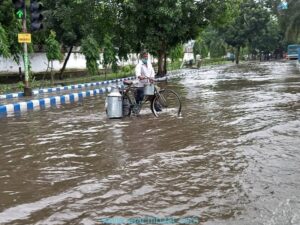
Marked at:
<point>114,104</point>
<point>149,89</point>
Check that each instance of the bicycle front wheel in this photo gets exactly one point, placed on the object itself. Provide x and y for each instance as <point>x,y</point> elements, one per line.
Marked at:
<point>166,102</point>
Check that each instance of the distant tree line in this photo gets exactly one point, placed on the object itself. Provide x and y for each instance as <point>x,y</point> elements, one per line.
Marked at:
<point>256,27</point>
<point>119,27</point>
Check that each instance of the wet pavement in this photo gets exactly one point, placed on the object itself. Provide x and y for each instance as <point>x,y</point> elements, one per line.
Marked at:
<point>232,158</point>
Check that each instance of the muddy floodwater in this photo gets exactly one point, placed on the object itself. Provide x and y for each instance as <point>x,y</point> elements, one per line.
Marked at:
<point>232,158</point>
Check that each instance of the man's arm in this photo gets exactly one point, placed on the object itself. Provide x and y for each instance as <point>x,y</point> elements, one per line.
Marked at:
<point>138,72</point>
<point>152,72</point>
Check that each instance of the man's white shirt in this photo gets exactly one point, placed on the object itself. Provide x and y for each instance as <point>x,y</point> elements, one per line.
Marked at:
<point>142,70</point>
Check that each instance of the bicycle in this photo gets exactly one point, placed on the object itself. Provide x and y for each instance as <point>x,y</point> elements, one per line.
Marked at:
<point>163,102</point>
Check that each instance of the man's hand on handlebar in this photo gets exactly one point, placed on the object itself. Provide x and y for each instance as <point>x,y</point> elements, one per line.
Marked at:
<point>142,77</point>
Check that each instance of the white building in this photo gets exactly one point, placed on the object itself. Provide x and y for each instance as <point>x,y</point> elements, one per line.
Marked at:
<point>39,63</point>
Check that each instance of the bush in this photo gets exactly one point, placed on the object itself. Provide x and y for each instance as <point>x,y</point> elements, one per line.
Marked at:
<point>127,69</point>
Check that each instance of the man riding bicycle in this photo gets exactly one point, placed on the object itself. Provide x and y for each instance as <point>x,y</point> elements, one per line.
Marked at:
<point>145,74</point>
<point>166,101</point>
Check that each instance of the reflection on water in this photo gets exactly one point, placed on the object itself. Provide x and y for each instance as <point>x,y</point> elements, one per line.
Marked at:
<point>233,158</point>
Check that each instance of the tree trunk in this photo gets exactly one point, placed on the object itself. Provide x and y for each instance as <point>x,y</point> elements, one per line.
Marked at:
<point>237,55</point>
<point>161,66</point>
<point>65,63</point>
<point>165,64</point>
<point>52,73</point>
<point>20,74</point>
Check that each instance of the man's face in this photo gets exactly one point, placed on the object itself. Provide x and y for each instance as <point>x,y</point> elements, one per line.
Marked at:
<point>145,56</point>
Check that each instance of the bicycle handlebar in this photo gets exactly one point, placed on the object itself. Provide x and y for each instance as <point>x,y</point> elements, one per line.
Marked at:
<point>161,79</point>
<point>155,79</point>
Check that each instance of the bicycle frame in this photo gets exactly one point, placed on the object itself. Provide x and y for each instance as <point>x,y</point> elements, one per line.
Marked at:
<point>162,101</point>
<point>129,92</point>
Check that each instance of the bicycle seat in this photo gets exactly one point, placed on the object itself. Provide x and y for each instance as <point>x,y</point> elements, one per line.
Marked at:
<point>128,82</point>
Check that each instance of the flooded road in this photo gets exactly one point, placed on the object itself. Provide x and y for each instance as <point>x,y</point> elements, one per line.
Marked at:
<point>233,157</point>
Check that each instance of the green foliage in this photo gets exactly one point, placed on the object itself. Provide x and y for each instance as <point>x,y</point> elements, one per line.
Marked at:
<point>53,47</point>
<point>11,27</point>
<point>20,85</point>
<point>90,49</point>
<point>109,53</point>
<point>210,40</point>
<point>269,40</point>
<point>4,88</point>
<point>4,44</point>
<point>292,20</point>
<point>160,26</point>
<point>200,48</point>
<point>251,20</point>
<point>176,52</point>
<point>289,19</point>
<point>69,19</point>
<point>127,69</point>
<point>213,61</point>
<point>174,65</point>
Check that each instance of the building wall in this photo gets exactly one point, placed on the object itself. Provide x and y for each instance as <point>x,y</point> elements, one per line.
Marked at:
<point>39,63</point>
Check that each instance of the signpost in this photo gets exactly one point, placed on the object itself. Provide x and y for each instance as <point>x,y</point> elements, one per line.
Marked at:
<point>20,14</point>
<point>24,38</point>
<point>27,89</point>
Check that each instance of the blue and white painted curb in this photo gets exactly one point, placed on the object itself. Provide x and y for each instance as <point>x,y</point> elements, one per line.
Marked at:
<point>43,103</point>
<point>64,88</point>
<point>51,101</point>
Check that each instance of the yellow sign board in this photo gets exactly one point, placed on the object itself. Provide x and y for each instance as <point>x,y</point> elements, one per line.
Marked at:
<point>24,38</point>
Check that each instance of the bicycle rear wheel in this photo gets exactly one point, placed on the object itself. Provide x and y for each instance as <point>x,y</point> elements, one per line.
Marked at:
<point>126,105</point>
<point>166,102</point>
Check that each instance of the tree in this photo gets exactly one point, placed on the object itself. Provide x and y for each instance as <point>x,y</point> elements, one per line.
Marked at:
<point>292,31</point>
<point>176,52</point>
<point>71,20</point>
<point>251,20</point>
<point>270,40</point>
<point>288,18</point>
<point>90,49</point>
<point>10,27</point>
<point>53,51</point>
<point>4,44</point>
<point>159,26</point>
<point>109,54</point>
<point>200,47</point>
<point>209,40</point>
